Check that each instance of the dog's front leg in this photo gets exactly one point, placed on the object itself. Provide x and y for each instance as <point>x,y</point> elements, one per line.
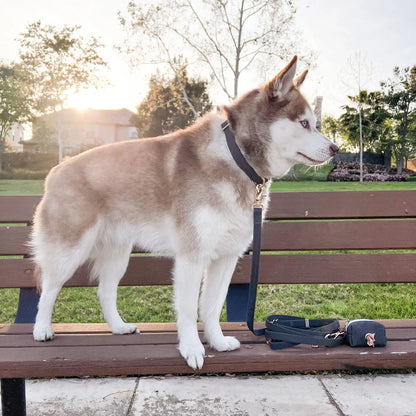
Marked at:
<point>187,276</point>
<point>213,295</point>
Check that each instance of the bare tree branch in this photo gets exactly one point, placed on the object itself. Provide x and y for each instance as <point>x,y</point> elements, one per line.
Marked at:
<point>228,36</point>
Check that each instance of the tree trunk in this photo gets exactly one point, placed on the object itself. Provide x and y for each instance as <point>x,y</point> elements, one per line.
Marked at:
<point>361,144</point>
<point>1,152</point>
<point>400,165</point>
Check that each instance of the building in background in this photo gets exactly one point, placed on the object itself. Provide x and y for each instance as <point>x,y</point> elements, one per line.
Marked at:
<point>15,137</point>
<point>74,131</point>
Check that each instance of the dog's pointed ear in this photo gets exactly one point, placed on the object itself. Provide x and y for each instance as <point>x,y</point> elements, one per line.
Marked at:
<point>281,84</point>
<point>299,80</point>
<point>229,111</point>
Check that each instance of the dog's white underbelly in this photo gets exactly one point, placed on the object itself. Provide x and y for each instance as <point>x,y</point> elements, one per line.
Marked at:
<point>208,235</point>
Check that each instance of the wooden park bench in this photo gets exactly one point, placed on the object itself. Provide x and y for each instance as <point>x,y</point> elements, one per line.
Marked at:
<point>298,225</point>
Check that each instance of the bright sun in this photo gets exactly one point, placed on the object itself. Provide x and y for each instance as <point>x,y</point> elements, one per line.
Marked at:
<point>100,100</point>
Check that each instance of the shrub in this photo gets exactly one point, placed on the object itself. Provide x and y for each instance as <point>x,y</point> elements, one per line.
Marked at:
<point>29,161</point>
<point>23,174</point>
<point>349,172</point>
<point>6,175</point>
<point>29,174</point>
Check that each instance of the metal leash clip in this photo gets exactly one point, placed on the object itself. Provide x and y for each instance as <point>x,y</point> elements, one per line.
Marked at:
<point>258,196</point>
<point>335,335</point>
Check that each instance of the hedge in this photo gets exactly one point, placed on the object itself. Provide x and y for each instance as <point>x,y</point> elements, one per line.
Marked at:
<point>29,161</point>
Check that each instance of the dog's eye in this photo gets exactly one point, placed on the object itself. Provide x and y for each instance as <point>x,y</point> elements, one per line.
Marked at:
<point>304,123</point>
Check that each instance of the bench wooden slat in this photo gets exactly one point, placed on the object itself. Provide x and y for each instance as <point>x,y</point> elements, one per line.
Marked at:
<point>342,204</point>
<point>285,205</point>
<point>13,241</point>
<point>93,339</point>
<point>167,327</point>
<point>339,235</point>
<point>284,268</point>
<point>162,359</point>
<point>338,268</point>
<point>281,236</point>
<point>18,208</point>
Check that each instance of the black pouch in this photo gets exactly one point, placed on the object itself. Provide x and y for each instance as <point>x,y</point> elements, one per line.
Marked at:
<point>365,333</point>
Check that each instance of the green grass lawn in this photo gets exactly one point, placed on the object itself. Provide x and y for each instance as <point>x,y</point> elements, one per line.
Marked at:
<point>154,304</point>
<point>21,187</point>
<point>35,187</point>
<point>311,186</point>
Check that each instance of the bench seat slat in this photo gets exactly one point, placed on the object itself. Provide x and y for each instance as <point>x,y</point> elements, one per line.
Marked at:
<point>86,339</point>
<point>164,327</point>
<point>162,359</point>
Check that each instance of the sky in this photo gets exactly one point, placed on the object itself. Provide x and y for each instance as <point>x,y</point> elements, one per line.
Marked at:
<point>383,32</point>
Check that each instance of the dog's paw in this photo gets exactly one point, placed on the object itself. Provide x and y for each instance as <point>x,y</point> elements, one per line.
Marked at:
<point>124,329</point>
<point>225,344</point>
<point>43,333</point>
<point>193,354</point>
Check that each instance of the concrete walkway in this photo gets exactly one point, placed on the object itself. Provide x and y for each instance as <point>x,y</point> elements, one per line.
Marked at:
<point>296,395</point>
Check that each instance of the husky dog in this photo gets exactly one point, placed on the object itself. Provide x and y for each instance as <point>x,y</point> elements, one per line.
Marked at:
<point>182,195</point>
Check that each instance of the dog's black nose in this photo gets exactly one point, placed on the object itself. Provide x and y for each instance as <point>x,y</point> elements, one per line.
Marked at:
<point>333,149</point>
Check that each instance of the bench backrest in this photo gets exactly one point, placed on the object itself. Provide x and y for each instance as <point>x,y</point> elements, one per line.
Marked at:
<point>310,237</point>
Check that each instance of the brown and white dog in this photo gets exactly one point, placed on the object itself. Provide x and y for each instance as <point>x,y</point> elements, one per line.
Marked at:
<point>182,195</point>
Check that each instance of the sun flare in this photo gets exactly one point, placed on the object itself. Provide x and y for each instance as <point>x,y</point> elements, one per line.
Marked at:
<point>100,100</point>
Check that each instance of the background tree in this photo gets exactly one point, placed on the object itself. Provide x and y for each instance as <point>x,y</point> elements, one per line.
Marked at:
<point>400,97</point>
<point>14,106</point>
<point>164,109</point>
<point>226,38</point>
<point>56,63</point>
<point>357,74</point>
<point>375,129</point>
<point>332,128</point>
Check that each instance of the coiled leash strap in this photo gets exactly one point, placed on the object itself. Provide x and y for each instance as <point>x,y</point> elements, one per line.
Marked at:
<point>284,331</point>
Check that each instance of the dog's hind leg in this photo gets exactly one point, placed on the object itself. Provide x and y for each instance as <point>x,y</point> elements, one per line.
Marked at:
<point>214,291</point>
<point>187,282</point>
<point>110,264</point>
<point>55,269</point>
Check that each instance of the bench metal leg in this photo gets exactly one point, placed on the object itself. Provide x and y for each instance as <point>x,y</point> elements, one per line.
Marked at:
<point>13,397</point>
<point>237,300</point>
<point>28,306</point>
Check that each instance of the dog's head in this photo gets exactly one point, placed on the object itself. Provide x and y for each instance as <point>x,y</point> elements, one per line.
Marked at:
<point>276,128</point>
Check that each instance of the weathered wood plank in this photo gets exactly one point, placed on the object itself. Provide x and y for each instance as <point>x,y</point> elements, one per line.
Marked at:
<point>161,338</point>
<point>343,204</point>
<point>161,359</point>
<point>286,236</point>
<point>13,241</point>
<point>18,208</point>
<point>297,268</point>
<point>167,327</point>
<point>339,235</point>
<point>285,205</point>
<point>331,268</point>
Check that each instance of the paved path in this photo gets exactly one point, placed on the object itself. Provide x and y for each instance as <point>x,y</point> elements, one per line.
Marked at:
<point>295,395</point>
